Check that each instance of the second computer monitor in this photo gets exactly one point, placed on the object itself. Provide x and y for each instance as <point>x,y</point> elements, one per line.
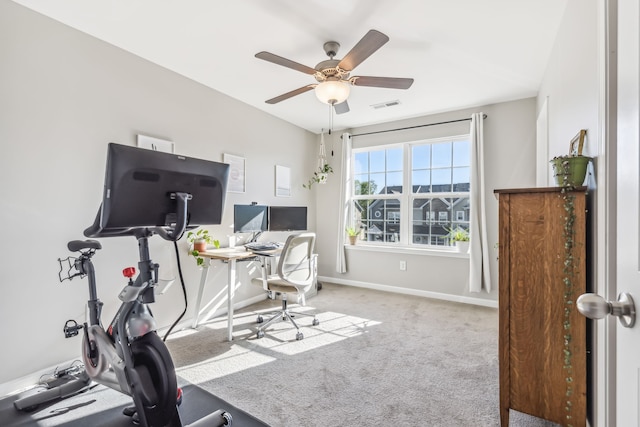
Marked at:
<point>249,218</point>
<point>287,218</point>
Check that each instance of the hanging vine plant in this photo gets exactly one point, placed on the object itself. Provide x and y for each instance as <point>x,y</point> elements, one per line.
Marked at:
<point>568,272</point>
<point>570,171</point>
<point>319,176</point>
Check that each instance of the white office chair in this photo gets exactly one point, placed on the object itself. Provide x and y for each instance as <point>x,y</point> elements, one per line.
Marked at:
<point>295,274</point>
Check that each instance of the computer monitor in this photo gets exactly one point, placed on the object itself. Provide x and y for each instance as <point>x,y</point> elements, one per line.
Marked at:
<point>287,218</point>
<point>250,218</point>
<point>141,185</point>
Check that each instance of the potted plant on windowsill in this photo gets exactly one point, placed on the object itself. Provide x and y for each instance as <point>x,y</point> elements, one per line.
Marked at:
<point>319,176</point>
<point>460,238</point>
<point>353,233</point>
<point>198,241</point>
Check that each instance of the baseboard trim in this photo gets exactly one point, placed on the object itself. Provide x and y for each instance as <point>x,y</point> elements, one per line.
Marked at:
<point>31,380</point>
<point>409,291</point>
<point>187,324</point>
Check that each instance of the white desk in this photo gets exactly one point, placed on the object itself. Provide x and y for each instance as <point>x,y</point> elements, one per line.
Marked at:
<point>225,254</point>
<point>231,255</point>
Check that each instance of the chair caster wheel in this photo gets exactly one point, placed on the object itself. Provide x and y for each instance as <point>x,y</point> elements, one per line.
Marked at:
<point>260,334</point>
<point>315,322</point>
<point>299,336</point>
<point>259,319</point>
<point>228,419</point>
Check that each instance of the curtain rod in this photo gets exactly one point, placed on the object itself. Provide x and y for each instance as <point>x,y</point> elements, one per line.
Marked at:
<point>484,116</point>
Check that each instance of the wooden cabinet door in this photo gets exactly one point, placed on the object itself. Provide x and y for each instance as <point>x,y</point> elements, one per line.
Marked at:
<point>532,306</point>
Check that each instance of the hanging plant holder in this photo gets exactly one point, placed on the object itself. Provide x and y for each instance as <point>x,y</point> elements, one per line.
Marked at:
<point>322,173</point>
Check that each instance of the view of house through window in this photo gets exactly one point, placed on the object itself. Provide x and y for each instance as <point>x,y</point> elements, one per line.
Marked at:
<point>412,193</point>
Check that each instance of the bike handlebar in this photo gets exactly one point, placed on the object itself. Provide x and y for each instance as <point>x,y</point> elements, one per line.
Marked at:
<point>171,233</point>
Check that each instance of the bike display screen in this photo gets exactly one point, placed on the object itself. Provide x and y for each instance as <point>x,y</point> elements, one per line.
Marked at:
<point>140,187</point>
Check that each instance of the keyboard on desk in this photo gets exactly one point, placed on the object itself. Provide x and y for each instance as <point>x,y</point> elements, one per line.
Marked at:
<point>262,246</point>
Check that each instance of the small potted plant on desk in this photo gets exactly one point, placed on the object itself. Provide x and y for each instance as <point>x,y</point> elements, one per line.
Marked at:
<point>460,237</point>
<point>198,242</point>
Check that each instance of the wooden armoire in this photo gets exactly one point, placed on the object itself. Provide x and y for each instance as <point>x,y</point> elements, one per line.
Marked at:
<point>533,375</point>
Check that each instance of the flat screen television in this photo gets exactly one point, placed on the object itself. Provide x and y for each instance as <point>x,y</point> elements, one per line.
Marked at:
<point>250,218</point>
<point>287,218</point>
<point>140,190</point>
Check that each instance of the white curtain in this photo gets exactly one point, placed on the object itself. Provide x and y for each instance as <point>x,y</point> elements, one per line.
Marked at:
<point>345,196</point>
<point>479,270</point>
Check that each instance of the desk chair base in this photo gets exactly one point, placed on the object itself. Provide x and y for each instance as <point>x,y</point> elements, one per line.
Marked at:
<point>283,315</point>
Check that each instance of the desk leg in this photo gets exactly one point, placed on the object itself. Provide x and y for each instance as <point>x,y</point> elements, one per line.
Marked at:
<point>203,281</point>
<point>230,293</point>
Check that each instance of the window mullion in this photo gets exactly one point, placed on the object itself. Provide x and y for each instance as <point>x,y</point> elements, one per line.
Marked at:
<point>405,206</point>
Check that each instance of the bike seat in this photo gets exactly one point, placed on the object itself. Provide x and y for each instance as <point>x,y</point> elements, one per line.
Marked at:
<point>78,245</point>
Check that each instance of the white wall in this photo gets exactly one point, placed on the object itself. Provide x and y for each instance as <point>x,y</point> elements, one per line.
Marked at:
<point>65,95</point>
<point>571,86</point>
<point>509,135</point>
<point>571,82</point>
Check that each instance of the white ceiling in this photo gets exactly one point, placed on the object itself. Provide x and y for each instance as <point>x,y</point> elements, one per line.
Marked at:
<point>461,53</point>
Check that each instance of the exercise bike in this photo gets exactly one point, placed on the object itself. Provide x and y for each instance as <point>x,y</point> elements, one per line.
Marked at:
<point>128,355</point>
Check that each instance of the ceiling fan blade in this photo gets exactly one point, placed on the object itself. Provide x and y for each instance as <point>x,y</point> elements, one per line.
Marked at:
<point>278,60</point>
<point>290,94</point>
<point>387,82</point>
<point>341,108</point>
<point>371,42</point>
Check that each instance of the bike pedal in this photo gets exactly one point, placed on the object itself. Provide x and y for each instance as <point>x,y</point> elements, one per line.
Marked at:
<point>71,328</point>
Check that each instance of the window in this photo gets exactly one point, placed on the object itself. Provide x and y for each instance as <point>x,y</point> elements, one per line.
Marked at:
<point>412,193</point>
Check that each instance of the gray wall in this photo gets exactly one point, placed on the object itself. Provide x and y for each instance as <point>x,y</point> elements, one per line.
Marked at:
<point>509,135</point>
<point>63,96</point>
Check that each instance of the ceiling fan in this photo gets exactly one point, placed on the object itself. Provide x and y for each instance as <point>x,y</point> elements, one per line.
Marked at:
<point>333,75</point>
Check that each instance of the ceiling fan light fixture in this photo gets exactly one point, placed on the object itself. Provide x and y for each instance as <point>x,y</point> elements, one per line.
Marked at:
<point>332,91</point>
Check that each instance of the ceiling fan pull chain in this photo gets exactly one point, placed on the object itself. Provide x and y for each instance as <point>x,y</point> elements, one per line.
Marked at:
<point>330,118</point>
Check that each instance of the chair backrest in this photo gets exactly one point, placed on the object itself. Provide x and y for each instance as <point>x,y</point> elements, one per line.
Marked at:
<point>295,265</point>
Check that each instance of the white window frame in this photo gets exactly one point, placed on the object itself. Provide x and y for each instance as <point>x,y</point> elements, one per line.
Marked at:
<point>407,196</point>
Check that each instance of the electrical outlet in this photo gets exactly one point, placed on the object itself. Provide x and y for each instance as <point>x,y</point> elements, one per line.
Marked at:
<point>403,265</point>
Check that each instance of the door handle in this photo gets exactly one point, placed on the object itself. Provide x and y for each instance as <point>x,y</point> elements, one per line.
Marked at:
<point>594,306</point>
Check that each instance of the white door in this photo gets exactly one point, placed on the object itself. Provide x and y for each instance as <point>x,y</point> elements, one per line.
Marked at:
<point>620,385</point>
<point>628,215</point>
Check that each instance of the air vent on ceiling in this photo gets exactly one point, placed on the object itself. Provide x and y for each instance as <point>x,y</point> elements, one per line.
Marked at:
<point>385,104</point>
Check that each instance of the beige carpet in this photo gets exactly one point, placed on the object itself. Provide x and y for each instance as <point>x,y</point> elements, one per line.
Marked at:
<point>376,359</point>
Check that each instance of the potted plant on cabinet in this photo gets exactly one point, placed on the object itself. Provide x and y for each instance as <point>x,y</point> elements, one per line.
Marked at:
<point>319,176</point>
<point>570,170</point>
<point>460,238</point>
<point>198,241</point>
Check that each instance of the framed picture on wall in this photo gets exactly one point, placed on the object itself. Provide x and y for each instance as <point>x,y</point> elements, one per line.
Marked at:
<point>237,172</point>
<point>283,181</point>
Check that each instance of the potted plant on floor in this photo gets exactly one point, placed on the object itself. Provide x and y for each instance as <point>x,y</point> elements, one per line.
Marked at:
<point>198,241</point>
<point>460,238</point>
